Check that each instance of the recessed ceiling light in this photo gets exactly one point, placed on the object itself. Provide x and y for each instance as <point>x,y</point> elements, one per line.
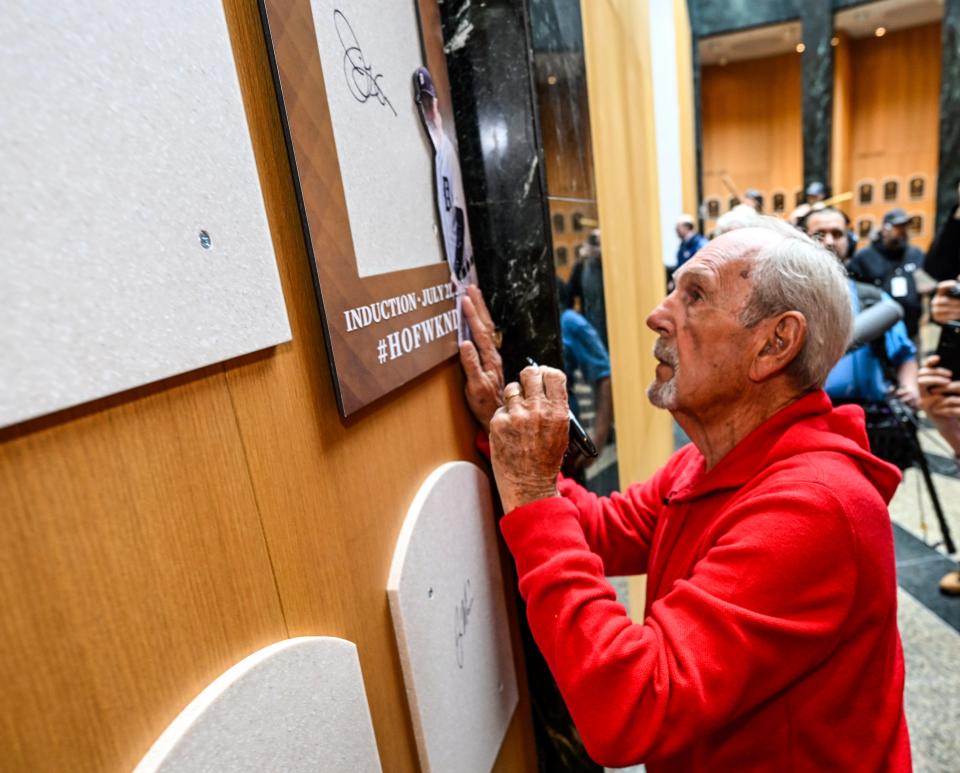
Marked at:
<point>834,41</point>
<point>552,80</point>
<point>801,48</point>
<point>880,31</point>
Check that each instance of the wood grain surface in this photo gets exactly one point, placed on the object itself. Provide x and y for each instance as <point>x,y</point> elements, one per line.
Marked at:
<point>894,117</point>
<point>752,129</point>
<point>153,539</point>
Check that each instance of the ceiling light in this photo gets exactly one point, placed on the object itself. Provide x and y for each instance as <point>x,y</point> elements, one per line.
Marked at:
<point>834,41</point>
<point>801,48</point>
<point>880,31</point>
<point>552,80</point>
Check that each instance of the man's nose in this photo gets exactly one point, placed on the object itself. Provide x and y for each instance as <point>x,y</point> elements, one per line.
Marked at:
<point>659,319</point>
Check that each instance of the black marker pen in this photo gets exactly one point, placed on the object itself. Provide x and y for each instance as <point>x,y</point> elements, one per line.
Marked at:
<point>578,435</point>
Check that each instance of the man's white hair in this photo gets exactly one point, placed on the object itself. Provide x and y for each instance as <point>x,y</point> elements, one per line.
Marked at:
<point>794,273</point>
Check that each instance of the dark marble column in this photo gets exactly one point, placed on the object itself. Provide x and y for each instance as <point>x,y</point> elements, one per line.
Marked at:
<point>817,89</point>
<point>711,17</point>
<point>949,170</point>
<point>489,61</point>
<point>489,58</point>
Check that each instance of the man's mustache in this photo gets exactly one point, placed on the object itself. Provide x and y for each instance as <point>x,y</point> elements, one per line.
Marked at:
<point>665,353</point>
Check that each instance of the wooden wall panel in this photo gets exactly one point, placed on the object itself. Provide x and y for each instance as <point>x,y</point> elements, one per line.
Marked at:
<point>624,145</point>
<point>134,572</point>
<point>752,129</point>
<point>894,117</point>
<point>153,539</point>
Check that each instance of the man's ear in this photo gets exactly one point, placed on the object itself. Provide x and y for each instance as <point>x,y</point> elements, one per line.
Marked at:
<point>785,336</point>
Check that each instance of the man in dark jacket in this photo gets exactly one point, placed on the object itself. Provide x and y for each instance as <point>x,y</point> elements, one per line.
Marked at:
<point>889,263</point>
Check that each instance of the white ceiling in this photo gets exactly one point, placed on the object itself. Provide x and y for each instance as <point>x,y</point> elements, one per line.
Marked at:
<point>856,22</point>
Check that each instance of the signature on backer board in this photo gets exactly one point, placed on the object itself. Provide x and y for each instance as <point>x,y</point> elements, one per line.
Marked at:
<point>363,83</point>
<point>462,617</point>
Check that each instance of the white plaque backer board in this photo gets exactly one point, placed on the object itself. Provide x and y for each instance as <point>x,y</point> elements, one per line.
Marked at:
<point>135,243</point>
<point>386,159</point>
<point>295,706</point>
<point>450,618</point>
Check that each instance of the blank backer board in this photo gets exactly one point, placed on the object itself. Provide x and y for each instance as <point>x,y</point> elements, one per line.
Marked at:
<point>135,242</point>
<point>449,615</point>
<point>296,706</point>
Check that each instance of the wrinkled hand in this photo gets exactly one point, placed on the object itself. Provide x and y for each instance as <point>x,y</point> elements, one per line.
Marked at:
<point>480,360</point>
<point>939,394</point>
<point>943,308</point>
<point>529,435</point>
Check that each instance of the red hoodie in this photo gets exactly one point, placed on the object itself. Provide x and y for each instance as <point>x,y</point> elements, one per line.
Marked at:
<point>770,637</point>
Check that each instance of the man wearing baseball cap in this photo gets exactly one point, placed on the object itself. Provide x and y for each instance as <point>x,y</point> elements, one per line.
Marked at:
<point>889,263</point>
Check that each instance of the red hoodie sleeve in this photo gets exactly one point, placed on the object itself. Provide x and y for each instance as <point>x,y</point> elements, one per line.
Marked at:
<point>764,604</point>
<point>618,528</point>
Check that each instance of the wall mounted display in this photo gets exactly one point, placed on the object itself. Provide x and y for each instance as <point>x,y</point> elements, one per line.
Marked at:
<point>891,189</point>
<point>297,705</point>
<point>865,228</point>
<point>135,242</point>
<point>915,226</point>
<point>713,208</point>
<point>371,144</point>
<point>918,185</point>
<point>865,192</point>
<point>447,603</point>
<point>779,202</point>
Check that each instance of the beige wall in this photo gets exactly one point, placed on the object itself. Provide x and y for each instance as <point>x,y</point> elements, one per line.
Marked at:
<point>618,81</point>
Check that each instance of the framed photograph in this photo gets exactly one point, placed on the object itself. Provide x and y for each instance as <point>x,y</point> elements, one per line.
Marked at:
<point>365,103</point>
<point>917,186</point>
<point>891,189</point>
<point>864,228</point>
<point>865,193</point>
<point>915,227</point>
<point>779,202</point>
<point>713,208</point>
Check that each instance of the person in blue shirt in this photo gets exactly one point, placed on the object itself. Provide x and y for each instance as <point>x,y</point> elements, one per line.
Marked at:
<point>691,241</point>
<point>860,375</point>
<point>584,351</point>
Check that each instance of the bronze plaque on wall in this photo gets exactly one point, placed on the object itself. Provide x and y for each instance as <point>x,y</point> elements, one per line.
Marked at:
<point>364,173</point>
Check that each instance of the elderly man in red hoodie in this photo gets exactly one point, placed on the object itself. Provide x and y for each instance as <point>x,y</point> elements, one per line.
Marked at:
<point>769,640</point>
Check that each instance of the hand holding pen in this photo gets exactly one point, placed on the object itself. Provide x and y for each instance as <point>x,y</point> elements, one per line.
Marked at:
<point>580,441</point>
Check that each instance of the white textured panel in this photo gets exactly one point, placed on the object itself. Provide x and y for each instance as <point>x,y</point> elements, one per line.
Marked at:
<point>122,136</point>
<point>446,598</point>
<point>297,705</point>
<point>386,159</point>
